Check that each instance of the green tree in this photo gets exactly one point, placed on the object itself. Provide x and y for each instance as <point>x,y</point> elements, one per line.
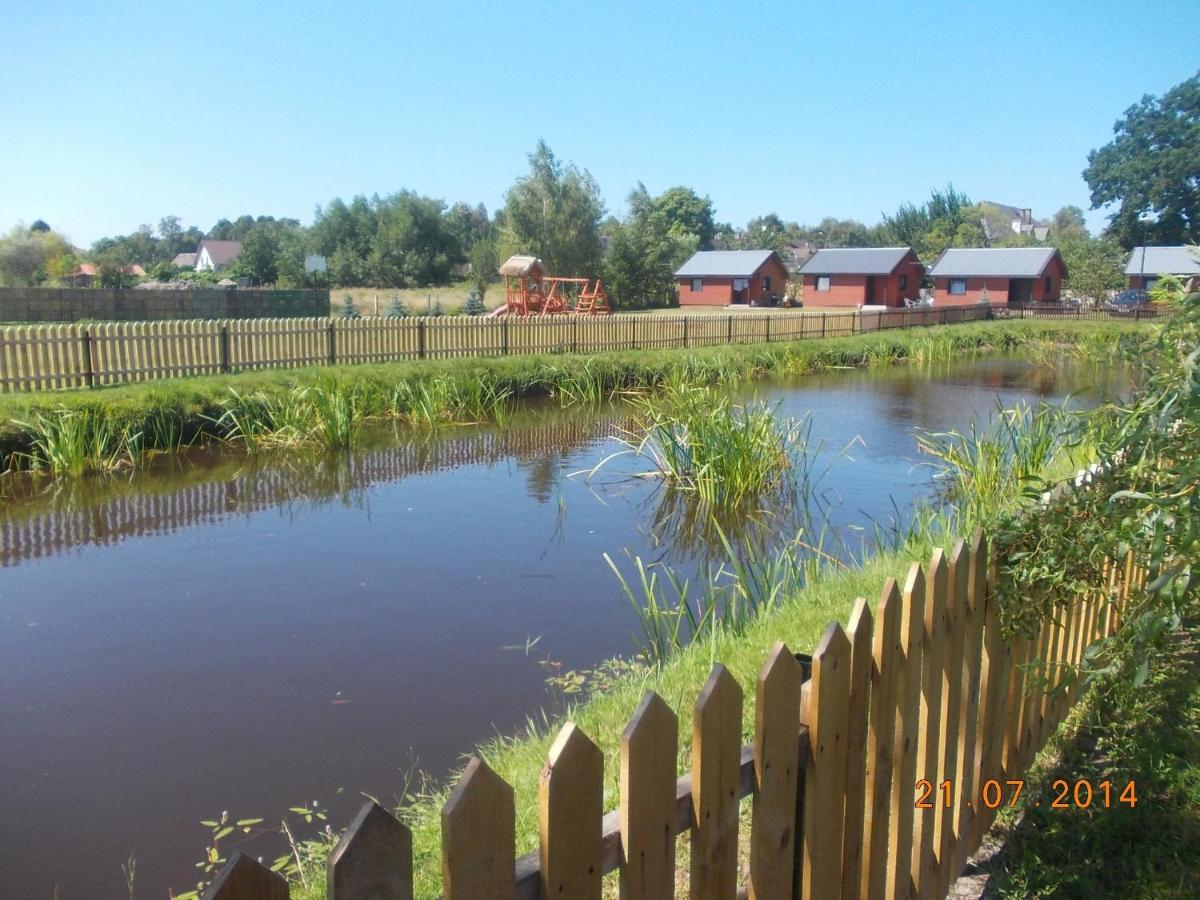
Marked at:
<point>1095,266</point>
<point>484,266</point>
<point>834,232</point>
<point>474,305</point>
<point>113,267</point>
<point>1152,168</point>
<point>259,259</point>
<point>22,256</point>
<point>412,245</point>
<point>687,213</point>
<point>554,213</point>
<point>933,224</point>
<point>764,233</point>
<point>39,225</point>
<point>30,257</point>
<point>1068,222</point>
<point>468,224</point>
<point>644,250</point>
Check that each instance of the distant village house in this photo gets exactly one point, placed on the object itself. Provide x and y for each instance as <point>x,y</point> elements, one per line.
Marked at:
<point>213,256</point>
<point>862,276</point>
<point>86,274</point>
<point>732,277</point>
<point>998,276</point>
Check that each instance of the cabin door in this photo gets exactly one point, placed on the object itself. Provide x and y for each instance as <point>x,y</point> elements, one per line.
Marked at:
<point>869,293</point>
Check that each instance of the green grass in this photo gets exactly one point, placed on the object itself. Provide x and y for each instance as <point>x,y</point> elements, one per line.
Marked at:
<point>166,414</point>
<point>1148,734</point>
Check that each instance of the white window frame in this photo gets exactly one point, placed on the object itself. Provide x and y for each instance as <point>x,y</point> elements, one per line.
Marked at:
<point>828,281</point>
<point>951,285</point>
<point>697,285</point>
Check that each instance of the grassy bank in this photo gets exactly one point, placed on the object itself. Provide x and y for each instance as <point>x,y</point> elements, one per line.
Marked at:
<point>1148,735</point>
<point>115,427</point>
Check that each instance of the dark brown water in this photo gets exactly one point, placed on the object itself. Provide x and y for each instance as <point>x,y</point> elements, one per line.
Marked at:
<point>218,634</point>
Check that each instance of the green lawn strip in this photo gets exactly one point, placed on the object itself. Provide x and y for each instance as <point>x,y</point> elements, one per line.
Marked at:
<point>193,404</point>
<point>1150,735</point>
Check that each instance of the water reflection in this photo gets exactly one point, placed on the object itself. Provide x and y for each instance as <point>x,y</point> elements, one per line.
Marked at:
<point>42,516</point>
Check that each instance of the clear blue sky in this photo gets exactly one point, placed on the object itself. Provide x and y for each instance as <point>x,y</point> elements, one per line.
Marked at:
<point>114,114</point>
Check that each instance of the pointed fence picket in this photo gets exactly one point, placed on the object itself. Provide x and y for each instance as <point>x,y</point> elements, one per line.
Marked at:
<point>929,687</point>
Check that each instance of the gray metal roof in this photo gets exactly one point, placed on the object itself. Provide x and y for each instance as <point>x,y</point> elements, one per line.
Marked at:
<point>724,263</point>
<point>992,262</point>
<point>855,261</point>
<point>1164,261</point>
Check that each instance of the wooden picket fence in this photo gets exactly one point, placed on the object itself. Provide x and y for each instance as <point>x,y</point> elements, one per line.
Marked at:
<point>922,687</point>
<point>55,357</point>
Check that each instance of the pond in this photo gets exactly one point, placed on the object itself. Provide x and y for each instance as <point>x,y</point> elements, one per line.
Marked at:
<point>223,634</point>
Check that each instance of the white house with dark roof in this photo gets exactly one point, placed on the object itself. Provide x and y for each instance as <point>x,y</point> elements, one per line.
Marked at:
<point>213,256</point>
<point>997,275</point>
<point>862,276</point>
<point>1147,264</point>
<point>731,277</point>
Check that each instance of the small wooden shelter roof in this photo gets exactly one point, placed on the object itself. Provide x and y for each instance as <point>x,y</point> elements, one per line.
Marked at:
<point>521,265</point>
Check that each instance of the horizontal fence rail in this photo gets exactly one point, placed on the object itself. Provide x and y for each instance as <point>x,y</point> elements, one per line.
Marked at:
<point>1085,313</point>
<point>875,769</point>
<point>57,357</point>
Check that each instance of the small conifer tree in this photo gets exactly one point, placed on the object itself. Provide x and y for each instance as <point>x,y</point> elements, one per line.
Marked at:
<point>474,305</point>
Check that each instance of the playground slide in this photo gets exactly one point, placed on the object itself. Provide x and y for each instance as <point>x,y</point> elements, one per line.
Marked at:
<point>498,311</point>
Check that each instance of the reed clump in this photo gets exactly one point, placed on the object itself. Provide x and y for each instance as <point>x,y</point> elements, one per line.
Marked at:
<point>700,441</point>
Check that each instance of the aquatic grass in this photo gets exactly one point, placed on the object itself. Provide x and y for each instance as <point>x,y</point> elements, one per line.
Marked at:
<point>77,442</point>
<point>674,612</point>
<point>441,400</point>
<point>700,441</point>
<point>984,469</point>
<point>335,413</point>
<point>326,413</point>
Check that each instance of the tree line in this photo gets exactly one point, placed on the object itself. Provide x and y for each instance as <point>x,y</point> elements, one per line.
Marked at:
<point>1149,173</point>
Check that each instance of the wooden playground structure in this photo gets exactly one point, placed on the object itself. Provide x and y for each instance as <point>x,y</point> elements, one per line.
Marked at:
<point>529,291</point>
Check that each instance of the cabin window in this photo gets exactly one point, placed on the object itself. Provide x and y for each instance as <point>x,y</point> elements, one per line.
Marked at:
<point>958,286</point>
<point>822,282</point>
<point>740,284</point>
<point>903,281</point>
<point>766,282</point>
<point>697,285</point>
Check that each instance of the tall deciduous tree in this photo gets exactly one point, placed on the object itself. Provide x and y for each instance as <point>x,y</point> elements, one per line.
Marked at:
<point>644,251</point>
<point>687,213</point>
<point>1151,168</point>
<point>554,213</point>
<point>31,257</point>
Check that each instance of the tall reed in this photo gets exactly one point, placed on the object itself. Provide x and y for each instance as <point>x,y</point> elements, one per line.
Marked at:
<point>700,441</point>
